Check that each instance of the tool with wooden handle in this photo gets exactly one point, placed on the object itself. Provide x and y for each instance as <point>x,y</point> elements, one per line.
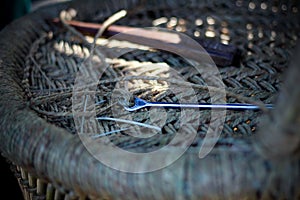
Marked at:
<point>222,55</point>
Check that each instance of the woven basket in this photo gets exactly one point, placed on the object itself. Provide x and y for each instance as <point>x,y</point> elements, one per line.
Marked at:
<point>39,64</point>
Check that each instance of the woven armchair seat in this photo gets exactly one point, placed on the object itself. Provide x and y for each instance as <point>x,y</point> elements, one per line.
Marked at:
<point>51,142</point>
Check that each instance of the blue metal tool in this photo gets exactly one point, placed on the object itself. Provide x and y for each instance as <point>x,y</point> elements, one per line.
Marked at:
<point>140,103</point>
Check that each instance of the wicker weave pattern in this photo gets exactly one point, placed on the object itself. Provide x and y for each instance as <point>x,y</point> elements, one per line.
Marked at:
<point>258,77</point>
<point>39,75</point>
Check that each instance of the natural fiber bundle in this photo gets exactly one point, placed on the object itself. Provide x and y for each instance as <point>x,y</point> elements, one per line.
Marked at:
<point>39,66</point>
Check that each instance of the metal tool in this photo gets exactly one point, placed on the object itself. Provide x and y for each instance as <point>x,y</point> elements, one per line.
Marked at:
<point>222,55</point>
<point>140,103</point>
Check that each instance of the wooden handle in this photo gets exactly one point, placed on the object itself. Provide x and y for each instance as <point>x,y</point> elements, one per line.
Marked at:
<point>222,55</point>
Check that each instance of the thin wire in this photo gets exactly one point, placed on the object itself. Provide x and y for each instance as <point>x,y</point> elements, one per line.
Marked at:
<point>109,133</point>
<point>129,122</point>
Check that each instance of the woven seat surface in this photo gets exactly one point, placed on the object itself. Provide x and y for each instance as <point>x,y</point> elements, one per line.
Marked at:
<point>47,64</point>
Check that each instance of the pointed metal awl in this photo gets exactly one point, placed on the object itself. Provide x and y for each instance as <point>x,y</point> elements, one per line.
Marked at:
<point>140,103</point>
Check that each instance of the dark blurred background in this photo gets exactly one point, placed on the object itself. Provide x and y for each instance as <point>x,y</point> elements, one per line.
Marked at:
<point>13,9</point>
<point>10,187</point>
